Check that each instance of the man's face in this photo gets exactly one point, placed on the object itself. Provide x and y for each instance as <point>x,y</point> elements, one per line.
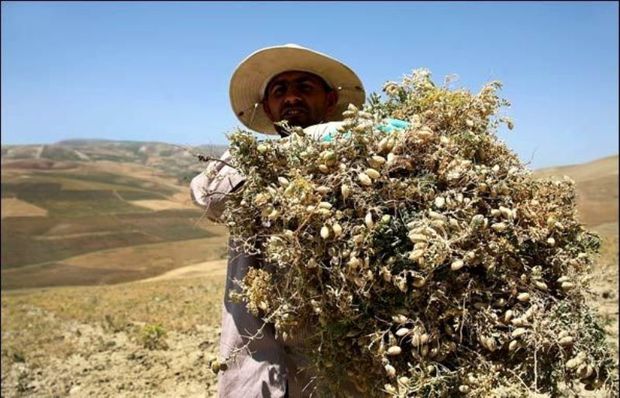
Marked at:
<point>301,98</point>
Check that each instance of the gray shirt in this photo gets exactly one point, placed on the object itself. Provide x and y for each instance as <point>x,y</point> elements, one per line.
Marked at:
<point>267,367</point>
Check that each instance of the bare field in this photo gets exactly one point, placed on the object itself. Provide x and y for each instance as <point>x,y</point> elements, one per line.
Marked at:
<point>138,171</point>
<point>604,283</point>
<point>116,265</point>
<point>37,164</point>
<point>161,204</point>
<point>89,177</point>
<point>93,206</point>
<point>92,341</point>
<point>597,200</point>
<point>12,207</point>
<point>593,170</point>
<point>596,185</point>
<point>214,268</point>
<point>29,241</point>
<point>181,252</point>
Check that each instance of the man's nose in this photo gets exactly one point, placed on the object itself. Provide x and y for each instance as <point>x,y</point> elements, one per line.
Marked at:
<point>292,96</point>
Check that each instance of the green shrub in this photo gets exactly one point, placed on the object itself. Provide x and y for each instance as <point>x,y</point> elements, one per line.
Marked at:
<point>153,336</point>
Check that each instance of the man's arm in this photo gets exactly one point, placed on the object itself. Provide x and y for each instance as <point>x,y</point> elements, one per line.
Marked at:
<point>210,188</point>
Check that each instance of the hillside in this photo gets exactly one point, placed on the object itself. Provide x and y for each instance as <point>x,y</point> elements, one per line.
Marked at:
<point>597,189</point>
<point>171,160</point>
<point>91,212</point>
<point>596,185</point>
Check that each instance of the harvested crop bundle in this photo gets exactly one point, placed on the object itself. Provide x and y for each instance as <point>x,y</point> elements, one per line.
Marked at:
<point>422,261</point>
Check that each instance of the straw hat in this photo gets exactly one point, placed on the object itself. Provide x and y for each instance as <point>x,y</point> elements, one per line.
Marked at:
<point>251,77</point>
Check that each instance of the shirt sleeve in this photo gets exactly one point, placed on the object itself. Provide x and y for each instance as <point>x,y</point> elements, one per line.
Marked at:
<point>323,131</point>
<point>327,131</point>
<point>210,188</point>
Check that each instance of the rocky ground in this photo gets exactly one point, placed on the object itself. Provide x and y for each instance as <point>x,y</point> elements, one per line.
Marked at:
<point>44,354</point>
<point>48,352</point>
<point>110,364</point>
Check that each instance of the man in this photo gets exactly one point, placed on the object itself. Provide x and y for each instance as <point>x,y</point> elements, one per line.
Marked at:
<point>308,89</point>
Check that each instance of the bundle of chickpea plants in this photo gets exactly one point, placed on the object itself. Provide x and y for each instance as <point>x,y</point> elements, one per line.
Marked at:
<point>424,261</point>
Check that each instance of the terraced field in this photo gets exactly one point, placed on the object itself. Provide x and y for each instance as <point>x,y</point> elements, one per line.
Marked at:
<point>124,213</point>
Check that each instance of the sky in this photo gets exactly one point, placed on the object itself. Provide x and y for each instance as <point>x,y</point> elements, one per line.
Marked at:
<point>159,71</point>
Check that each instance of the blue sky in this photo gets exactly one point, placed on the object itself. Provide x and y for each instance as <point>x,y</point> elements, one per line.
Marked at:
<point>159,71</point>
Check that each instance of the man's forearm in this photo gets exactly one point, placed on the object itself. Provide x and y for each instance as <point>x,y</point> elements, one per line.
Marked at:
<point>210,188</point>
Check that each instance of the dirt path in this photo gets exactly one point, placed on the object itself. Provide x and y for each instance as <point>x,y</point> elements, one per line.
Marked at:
<point>39,152</point>
<point>199,270</point>
<point>158,205</point>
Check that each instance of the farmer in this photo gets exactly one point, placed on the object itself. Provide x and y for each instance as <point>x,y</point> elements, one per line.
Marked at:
<point>308,89</point>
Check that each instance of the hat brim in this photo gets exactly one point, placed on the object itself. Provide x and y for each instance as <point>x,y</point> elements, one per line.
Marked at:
<point>249,80</point>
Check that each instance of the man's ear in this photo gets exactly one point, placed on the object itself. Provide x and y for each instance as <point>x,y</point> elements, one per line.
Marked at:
<point>267,110</point>
<point>332,100</point>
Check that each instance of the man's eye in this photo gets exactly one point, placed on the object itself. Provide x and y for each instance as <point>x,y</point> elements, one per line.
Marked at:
<point>277,90</point>
<point>306,87</point>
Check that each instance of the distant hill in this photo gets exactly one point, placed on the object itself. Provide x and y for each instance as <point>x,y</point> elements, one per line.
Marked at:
<point>172,160</point>
<point>597,188</point>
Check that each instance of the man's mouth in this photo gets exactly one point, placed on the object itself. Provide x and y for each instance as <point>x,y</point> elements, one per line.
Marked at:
<point>293,112</point>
